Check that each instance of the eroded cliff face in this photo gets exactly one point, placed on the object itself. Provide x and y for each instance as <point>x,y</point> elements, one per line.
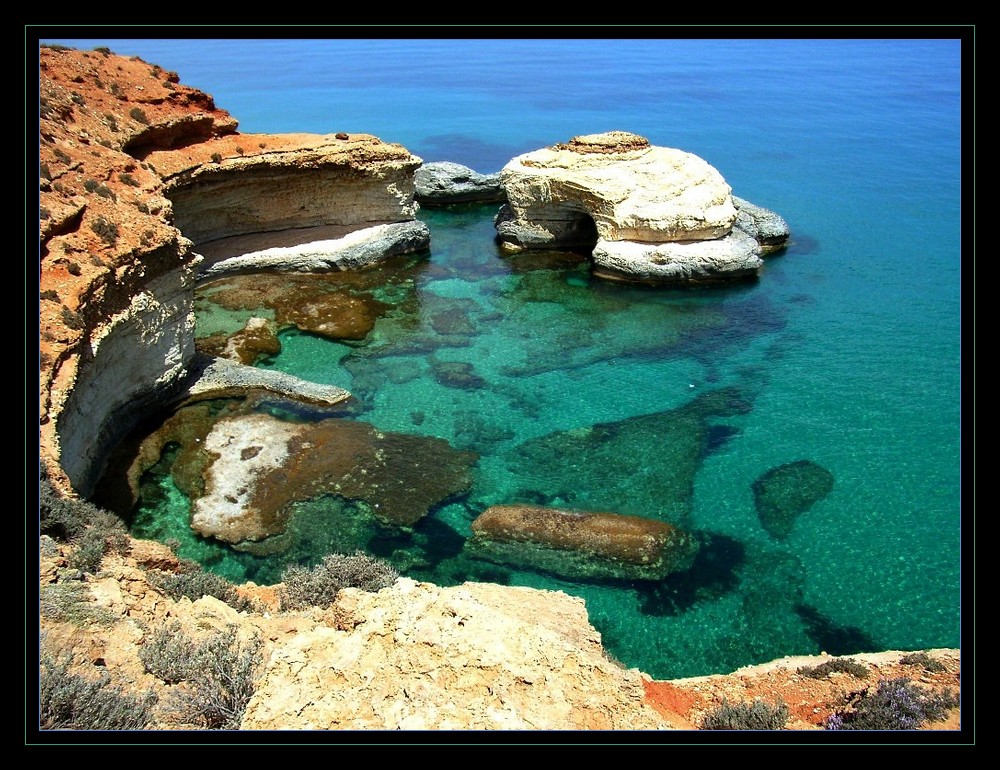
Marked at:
<point>137,173</point>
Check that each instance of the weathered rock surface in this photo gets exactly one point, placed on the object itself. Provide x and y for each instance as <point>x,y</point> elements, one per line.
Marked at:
<point>476,656</point>
<point>133,168</point>
<point>444,183</point>
<point>649,214</point>
<point>582,543</point>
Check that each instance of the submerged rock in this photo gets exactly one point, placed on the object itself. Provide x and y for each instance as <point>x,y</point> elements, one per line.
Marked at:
<point>643,466</point>
<point>786,492</point>
<point>625,200</point>
<point>444,183</point>
<point>258,465</point>
<point>581,543</point>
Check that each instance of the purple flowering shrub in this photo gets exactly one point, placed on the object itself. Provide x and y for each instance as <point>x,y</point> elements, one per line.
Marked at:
<point>896,704</point>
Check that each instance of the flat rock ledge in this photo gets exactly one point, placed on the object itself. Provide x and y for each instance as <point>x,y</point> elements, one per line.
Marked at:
<point>444,183</point>
<point>647,214</point>
<point>222,378</point>
<point>359,249</point>
<point>585,544</point>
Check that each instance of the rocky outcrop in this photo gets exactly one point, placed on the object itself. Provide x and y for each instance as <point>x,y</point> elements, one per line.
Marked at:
<point>471,657</point>
<point>133,169</point>
<point>444,183</point>
<point>415,656</point>
<point>649,214</point>
<point>581,543</point>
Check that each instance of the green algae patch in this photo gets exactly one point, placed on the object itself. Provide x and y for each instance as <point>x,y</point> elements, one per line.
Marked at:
<point>581,544</point>
<point>785,492</point>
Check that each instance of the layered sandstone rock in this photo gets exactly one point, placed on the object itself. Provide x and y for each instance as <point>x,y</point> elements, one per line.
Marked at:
<point>581,543</point>
<point>133,168</point>
<point>647,213</point>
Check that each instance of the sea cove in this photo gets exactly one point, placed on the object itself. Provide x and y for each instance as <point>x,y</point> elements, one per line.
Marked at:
<point>802,427</point>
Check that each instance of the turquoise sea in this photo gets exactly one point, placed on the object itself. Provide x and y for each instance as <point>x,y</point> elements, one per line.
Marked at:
<point>846,353</point>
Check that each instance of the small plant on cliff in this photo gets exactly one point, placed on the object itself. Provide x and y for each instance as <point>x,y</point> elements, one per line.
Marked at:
<point>755,715</point>
<point>128,179</point>
<point>839,665</point>
<point>71,601</point>
<point>896,704</point>
<point>169,655</point>
<point>216,158</point>
<point>108,231</point>
<point>43,171</point>
<point>220,679</point>
<point>318,587</point>
<point>93,186</point>
<point>68,701</point>
<point>196,583</point>
<point>923,659</point>
<point>138,116</point>
<point>61,155</point>
<point>103,49</point>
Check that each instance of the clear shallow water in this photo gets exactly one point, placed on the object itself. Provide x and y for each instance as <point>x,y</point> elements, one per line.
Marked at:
<point>845,353</point>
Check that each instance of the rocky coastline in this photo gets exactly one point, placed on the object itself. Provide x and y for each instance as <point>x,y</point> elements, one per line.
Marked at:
<point>147,189</point>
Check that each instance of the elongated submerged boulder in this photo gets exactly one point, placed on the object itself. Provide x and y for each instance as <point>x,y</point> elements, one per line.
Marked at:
<point>647,213</point>
<point>581,543</point>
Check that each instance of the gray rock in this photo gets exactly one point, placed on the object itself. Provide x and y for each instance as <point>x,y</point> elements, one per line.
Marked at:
<point>220,377</point>
<point>768,228</point>
<point>722,259</point>
<point>443,183</point>
<point>354,250</point>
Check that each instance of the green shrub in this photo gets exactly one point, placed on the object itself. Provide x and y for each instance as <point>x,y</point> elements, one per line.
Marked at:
<point>94,531</point>
<point>92,185</point>
<point>169,655</point>
<point>839,665</point>
<point>923,659</point>
<point>198,583</point>
<point>61,155</point>
<point>103,49</point>
<point>55,47</point>
<point>43,171</point>
<point>216,157</point>
<point>220,681</point>
<point>69,701</point>
<point>896,704</point>
<point>43,213</point>
<point>128,179</point>
<point>318,587</point>
<point>138,115</point>
<point>756,715</point>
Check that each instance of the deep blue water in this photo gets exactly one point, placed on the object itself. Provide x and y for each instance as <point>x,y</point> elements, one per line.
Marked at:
<point>846,352</point>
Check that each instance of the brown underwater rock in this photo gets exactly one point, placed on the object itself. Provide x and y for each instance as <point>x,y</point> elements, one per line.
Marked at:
<point>620,546</point>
